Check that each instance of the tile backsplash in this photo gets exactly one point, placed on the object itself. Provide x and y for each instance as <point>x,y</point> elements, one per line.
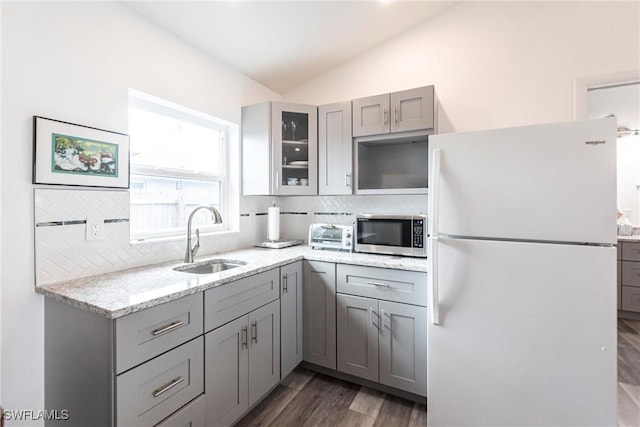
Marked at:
<point>62,253</point>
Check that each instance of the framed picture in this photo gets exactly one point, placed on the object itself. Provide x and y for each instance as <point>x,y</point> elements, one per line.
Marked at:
<point>69,154</point>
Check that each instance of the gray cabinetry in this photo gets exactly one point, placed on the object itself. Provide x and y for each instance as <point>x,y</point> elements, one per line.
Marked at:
<point>227,373</point>
<point>335,151</point>
<point>357,336</point>
<point>192,415</point>
<point>242,357</point>
<point>629,265</point>
<point>290,317</point>
<point>319,312</point>
<point>379,338</point>
<point>150,392</point>
<point>407,110</point>
<point>242,363</point>
<point>403,346</point>
<point>136,370</point>
<point>279,149</point>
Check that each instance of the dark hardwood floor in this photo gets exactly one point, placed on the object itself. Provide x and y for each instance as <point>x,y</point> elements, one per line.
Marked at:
<point>306,398</point>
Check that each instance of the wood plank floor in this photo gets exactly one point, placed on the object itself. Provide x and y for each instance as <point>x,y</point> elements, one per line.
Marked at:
<point>309,399</point>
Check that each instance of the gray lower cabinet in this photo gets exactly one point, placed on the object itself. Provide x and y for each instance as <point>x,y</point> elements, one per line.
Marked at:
<point>153,390</point>
<point>381,337</point>
<point>242,363</point>
<point>319,312</point>
<point>357,338</point>
<point>192,415</point>
<point>383,341</point>
<point>136,370</point>
<point>290,317</point>
<point>629,276</point>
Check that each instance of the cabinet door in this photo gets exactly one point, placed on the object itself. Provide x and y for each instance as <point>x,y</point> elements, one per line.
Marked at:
<point>290,317</point>
<point>358,324</point>
<point>335,156</point>
<point>319,311</point>
<point>226,372</point>
<point>371,115</point>
<point>264,350</point>
<point>403,347</point>
<point>295,149</point>
<point>412,109</point>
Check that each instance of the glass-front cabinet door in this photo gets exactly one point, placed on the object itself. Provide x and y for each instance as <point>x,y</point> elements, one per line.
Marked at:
<point>294,130</point>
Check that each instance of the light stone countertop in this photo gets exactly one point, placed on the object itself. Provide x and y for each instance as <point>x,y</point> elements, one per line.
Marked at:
<point>124,292</point>
<point>633,238</point>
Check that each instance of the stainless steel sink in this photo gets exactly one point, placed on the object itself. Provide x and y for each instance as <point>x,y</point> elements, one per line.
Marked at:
<point>211,266</point>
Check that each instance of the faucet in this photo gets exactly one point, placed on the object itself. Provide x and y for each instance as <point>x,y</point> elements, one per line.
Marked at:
<point>191,251</point>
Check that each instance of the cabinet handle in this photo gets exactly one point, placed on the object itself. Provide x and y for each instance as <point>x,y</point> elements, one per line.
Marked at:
<point>371,314</point>
<point>347,179</point>
<point>167,387</point>
<point>378,284</point>
<point>254,332</point>
<point>167,328</point>
<point>243,337</point>
<point>384,325</point>
<point>395,112</point>
<point>385,117</point>
<point>285,284</point>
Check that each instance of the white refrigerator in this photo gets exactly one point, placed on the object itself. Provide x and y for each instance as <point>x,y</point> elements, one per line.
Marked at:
<point>522,276</point>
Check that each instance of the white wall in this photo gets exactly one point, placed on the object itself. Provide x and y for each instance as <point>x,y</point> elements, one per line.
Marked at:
<point>76,61</point>
<point>494,64</point>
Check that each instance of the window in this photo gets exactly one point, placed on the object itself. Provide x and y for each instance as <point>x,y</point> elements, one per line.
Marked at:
<point>178,161</point>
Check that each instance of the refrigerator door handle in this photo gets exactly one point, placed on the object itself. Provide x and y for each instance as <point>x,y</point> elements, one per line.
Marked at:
<point>434,187</point>
<point>433,280</point>
<point>434,230</point>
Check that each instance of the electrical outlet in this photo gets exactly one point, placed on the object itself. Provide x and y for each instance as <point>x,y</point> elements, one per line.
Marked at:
<point>95,228</point>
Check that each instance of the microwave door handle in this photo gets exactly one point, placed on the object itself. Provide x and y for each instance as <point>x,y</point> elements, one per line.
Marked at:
<point>434,225</point>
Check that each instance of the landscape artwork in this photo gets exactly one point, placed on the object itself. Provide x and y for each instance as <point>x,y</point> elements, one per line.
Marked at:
<point>83,156</point>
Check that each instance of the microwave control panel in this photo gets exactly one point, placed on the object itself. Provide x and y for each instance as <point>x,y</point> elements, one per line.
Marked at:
<point>418,233</point>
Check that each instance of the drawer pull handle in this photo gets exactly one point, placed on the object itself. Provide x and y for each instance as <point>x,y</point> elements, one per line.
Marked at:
<point>254,332</point>
<point>168,387</point>
<point>167,328</point>
<point>378,284</point>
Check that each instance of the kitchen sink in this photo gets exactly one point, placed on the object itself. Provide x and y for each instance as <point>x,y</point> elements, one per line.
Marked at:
<point>211,266</point>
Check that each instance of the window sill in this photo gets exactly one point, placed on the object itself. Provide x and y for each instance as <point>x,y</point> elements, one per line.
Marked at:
<point>183,237</point>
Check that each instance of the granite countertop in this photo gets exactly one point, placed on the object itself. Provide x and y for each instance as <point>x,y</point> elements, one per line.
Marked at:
<point>124,292</point>
<point>633,238</point>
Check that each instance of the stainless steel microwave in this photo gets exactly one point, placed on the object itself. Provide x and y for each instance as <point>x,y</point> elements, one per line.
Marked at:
<point>391,234</point>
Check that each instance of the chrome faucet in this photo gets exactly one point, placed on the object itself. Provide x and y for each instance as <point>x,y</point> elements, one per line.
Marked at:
<point>192,251</point>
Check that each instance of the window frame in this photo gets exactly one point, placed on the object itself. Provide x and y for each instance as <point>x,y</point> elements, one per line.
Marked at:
<point>148,103</point>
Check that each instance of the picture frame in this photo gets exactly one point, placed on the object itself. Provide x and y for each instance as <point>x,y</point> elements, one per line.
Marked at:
<point>71,154</point>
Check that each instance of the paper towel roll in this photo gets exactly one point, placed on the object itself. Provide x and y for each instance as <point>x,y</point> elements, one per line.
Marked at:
<point>273,230</point>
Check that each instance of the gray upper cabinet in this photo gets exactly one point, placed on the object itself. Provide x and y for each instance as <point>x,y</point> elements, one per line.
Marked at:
<point>279,149</point>
<point>407,110</point>
<point>335,153</point>
<point>319,313</point>
<point>290,317</point>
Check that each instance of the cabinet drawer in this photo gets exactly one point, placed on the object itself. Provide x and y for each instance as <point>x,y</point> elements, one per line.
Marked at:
<point>147,333</point>
<point>235,299</point>
<point>630,273</point>
<point>630,298</point>
<point>156,389</point>
<point>192,415</point>
<point>383,283</point>
<point>630,251</point>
